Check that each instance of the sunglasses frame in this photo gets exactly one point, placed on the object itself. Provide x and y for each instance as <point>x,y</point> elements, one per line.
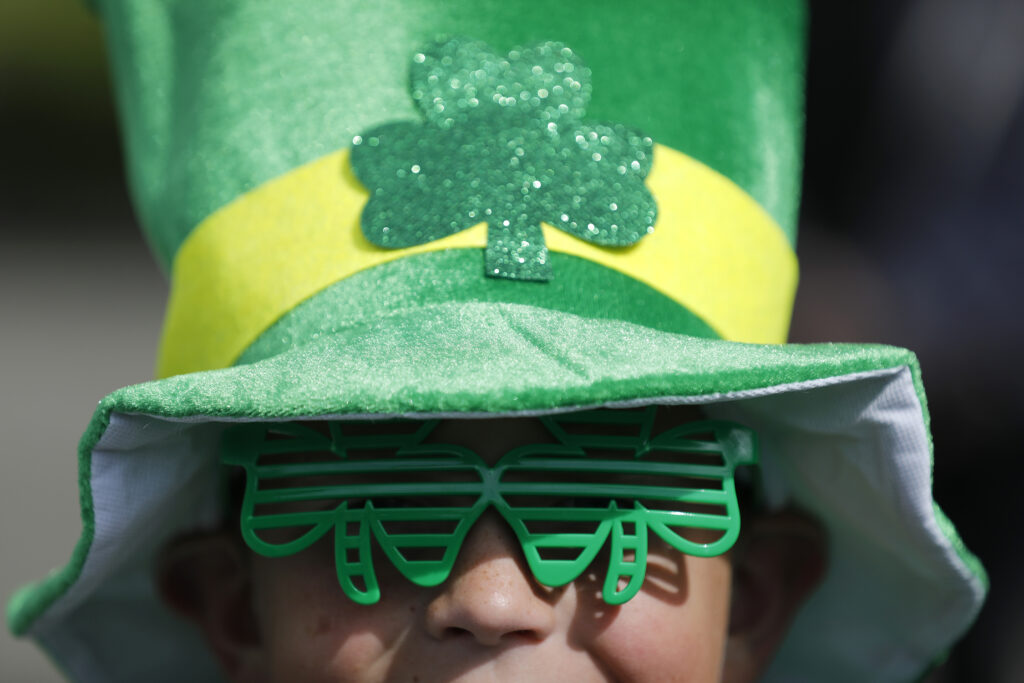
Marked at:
<point>626,526</point>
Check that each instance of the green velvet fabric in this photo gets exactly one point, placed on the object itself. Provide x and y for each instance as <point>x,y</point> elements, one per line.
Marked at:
<point>579,286</point>
<point>218,97</point>
<point>494,358</point>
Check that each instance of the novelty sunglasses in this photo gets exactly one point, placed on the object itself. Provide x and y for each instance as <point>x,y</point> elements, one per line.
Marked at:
<point>604,476</point>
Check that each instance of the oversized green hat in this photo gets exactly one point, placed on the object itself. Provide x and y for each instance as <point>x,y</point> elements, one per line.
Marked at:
<point>428,209</point>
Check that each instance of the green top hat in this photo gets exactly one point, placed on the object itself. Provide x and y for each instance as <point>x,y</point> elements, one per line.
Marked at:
<point>566,206</point>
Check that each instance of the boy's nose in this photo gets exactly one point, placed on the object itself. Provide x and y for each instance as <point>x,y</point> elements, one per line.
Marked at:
<point>490,594</point>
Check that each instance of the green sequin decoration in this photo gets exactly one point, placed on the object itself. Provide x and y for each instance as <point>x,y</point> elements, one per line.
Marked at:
<point>504,143</point>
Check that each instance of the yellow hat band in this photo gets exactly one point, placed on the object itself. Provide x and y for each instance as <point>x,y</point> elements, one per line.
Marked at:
<point>714,250</point>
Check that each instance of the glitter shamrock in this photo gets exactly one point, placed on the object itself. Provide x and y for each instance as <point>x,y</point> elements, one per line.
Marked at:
<point>504,143</point>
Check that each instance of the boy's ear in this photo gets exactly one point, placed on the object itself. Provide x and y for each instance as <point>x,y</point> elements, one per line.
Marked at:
<point>206,579</point>
<point>779,560</point>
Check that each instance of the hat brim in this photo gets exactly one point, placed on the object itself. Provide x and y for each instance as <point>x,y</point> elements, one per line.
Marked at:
<point>843,430</point>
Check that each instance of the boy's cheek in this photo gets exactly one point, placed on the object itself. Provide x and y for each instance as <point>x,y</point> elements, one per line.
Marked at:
<point>674,629</point>
<point>312,632</point>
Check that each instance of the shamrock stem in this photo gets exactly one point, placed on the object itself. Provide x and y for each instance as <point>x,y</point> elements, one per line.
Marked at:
<point>516,250</point>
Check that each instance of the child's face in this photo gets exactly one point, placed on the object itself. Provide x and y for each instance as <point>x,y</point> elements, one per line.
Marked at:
<point>490,620</point>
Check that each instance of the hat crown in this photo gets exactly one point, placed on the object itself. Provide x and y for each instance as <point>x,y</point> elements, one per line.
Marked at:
<point>240,119</point>
<point>219,98</point>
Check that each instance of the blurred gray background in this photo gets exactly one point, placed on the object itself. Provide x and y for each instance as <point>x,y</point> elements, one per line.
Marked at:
<point>911,234</point>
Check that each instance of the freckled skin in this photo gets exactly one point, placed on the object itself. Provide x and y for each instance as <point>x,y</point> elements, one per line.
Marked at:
<point>490,621</point>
